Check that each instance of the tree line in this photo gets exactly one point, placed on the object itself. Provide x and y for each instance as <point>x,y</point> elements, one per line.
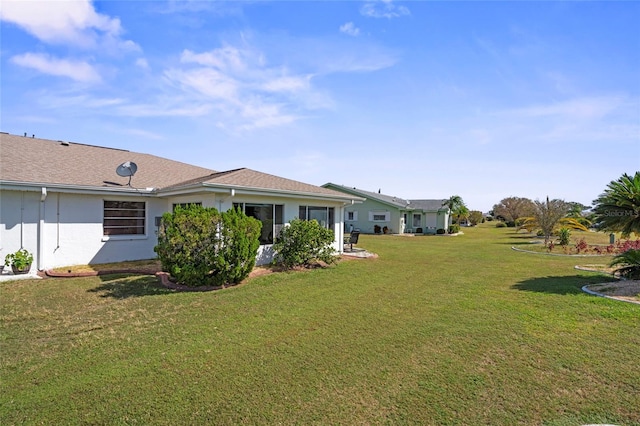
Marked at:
<point>617,209</point>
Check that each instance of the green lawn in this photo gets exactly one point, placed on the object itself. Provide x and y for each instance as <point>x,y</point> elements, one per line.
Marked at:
<point>437,330</point>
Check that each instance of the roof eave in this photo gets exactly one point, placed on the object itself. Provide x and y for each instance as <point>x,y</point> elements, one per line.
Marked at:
<point>247,190</point>
<point>84,189</point>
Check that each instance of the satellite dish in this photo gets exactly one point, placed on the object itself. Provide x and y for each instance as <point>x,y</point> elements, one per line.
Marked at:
<point>127,169</point>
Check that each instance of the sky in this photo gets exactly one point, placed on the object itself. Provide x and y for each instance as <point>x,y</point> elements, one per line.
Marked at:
<point>417,99</point>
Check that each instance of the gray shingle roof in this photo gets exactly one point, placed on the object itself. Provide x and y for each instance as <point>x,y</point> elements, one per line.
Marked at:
<point>34,160</point>
<point>389,199</point>
<point>401,203</point>
<point>427,205</point>
<point>252,179</point>
<point>47,162</point>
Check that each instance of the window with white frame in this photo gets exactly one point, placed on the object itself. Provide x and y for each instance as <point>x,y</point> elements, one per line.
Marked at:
<point>324,215</point>
<point>271,216</point>
<point>417,219</point>
<point>124,217</point>
<point>351,216</point>
<point>379,216</point>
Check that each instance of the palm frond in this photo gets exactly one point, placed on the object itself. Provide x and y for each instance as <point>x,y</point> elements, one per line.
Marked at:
<point>628,264</point>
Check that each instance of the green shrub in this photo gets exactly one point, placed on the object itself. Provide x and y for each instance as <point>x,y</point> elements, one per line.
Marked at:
<point>302,243</point>
<point>540,233</point>
<point>453,229</point>
<point>239,237</point>
<point>501,225</point>
<point>199,246</point>
<point>628,264</point>
<point>564,234</point>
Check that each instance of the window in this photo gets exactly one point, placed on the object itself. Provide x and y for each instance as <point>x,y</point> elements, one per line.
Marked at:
<point>416,220</point>
<point>351,216</point>
<point>324,215</point>
<point>271,216</point>
<point>185,205</point>
<point>379,216</point>
<point>124,218</point>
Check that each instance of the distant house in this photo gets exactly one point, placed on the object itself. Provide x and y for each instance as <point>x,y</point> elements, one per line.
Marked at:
<point>65,203</point>
<point>398,215</point>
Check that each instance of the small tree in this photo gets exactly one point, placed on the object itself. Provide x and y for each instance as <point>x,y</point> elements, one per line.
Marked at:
<point>548,215</point>
<point>475,217</point>
<point>303,242</point>
<point>511,209</point>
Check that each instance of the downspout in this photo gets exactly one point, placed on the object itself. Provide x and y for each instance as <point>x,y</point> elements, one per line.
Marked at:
<point>57,222</point>
<point>21,219</point>
<point>41,233</point>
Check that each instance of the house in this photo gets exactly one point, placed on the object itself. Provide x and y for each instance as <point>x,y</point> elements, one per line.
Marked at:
<point>71,203</point>
<point>397,215</point>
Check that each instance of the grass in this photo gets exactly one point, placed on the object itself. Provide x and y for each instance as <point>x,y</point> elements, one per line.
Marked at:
<point>437,330</point>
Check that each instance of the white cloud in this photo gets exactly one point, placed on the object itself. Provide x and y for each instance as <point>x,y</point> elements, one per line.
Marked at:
<point>142,63</point>
<point>208,82</point>
<point>72,22</point>
<point>287,84</point>
<point>226,58</point>
<point>350,29</point>
<point>174,108</point>
<point>77,70</point>
<point>586,108</point>
<point>265,115</point>
<point>383,9</point>
<point>242,87</point>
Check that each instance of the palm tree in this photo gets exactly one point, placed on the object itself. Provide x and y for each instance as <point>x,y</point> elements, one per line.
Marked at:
<point>549,216</point>
<point>618,208</point>
<point>457,207</point>
<point>576,211</point>
<point>629,264</point>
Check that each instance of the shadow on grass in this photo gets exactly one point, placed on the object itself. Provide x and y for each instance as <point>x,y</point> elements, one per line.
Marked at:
<point>560,285</point>
<point>121,286</point>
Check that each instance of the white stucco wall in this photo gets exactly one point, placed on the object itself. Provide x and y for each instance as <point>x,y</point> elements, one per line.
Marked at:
<point>69,226</point>
<point>19,211</point>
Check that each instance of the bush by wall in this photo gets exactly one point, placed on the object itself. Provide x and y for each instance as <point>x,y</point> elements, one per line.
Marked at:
<point>239,245</point>
<point>303,242</point>
<point>440,231</point>
<point>199,246</point>
<point>454,229</point>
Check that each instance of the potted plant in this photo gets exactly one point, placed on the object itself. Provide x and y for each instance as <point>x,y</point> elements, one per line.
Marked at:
<point>19,261</point>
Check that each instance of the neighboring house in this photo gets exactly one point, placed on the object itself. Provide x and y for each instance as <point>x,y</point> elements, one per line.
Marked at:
<point>398,215</point>
<point>64,202</point>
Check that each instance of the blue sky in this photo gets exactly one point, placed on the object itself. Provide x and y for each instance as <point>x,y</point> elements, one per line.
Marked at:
<point>419,99</point>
